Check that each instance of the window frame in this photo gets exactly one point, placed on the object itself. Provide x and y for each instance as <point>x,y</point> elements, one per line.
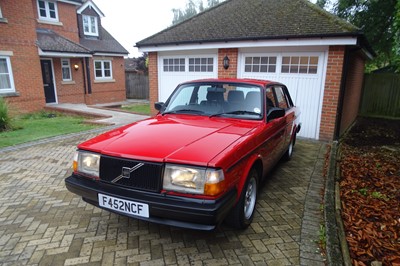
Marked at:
<point>103,76</point>
<point>202,62</point>
<point>90,33</point>
<point>295,65</point>
<point>174,65</point>
<point>68,66</point>
<point>271,67</point>
<point>10,74</point>
<point>47,10</point>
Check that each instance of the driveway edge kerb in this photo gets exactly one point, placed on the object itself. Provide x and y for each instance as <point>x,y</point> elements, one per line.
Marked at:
<point>51,139</point>
<point>333,244</point>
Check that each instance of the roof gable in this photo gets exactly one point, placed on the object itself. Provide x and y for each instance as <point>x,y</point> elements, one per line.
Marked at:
<point>91,5</point>
<point>238,20</point>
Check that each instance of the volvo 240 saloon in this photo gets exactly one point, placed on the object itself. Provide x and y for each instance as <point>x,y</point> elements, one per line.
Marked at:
<point>198,162</point>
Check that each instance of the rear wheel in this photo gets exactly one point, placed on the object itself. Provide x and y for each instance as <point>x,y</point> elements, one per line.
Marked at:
<point>242,214</point>
<point>289,152</point>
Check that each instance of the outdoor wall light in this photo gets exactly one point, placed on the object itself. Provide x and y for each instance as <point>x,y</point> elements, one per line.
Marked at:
<point>226,62</point>
<point>76,66</point>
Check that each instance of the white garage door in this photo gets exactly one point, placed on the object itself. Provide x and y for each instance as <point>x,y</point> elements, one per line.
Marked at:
<point>301,72</point>
<point>175,69</point>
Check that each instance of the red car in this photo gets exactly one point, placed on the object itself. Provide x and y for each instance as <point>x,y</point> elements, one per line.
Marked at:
<point>198,162</point>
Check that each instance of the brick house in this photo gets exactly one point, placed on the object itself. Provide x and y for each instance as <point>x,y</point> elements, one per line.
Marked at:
<point>317,55</point>
<point>56,51</point>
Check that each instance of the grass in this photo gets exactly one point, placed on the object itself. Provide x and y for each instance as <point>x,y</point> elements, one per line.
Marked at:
<point>143,109</point>
<point>42,125</point>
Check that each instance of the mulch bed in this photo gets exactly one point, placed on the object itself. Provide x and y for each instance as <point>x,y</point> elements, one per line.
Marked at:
<point>370,191</point>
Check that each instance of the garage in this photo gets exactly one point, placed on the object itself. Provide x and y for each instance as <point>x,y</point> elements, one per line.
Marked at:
<point>302,73</point>
<point>319,57</point>
<point>176,68</point>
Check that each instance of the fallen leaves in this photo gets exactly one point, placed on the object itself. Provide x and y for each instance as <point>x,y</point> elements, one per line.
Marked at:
<point>370,194</point>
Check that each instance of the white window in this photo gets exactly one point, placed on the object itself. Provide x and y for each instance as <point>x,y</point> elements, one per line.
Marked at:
<point>103,69</point>
<point>66,70</point>
<point>174,65</point>
<point>90,25</point>
<point>300,64</point>
<point>47,10</point>
<point>6,76</point>
<point>201,64</point>
<point>264,64</point>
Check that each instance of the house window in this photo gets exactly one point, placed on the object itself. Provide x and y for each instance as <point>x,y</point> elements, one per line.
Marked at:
<point>90,25</point>
<point>103,69</point>
<point>201,64</point>
<point>300,64</point>
<point>264,64</point>
<point>66,70</point>
<point>47,10</point>
<point>6,77</point>
<point>174,65</point>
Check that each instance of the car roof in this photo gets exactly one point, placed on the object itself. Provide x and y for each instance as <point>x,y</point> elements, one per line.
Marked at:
<point>258,82</point>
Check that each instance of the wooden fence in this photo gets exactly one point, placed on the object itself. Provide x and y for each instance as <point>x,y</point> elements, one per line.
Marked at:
<point>137,85</point>
<point>381,95</point>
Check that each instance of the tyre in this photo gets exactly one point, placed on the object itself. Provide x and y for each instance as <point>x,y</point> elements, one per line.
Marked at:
<point>242,213</point>
<point>289,152</point>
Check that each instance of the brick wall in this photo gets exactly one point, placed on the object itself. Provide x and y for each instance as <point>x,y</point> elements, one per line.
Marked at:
<point>69,91</point>
<point>18,36</point>
<point>354,83</point>
<point>232,54</point>
<point>153,81</point>
<point>107,92</point>
<point>67,16</point>
<point>332,91</point>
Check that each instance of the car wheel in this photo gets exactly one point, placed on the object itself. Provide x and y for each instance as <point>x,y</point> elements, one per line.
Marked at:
<point>242,213</point>
<point>289,152</point>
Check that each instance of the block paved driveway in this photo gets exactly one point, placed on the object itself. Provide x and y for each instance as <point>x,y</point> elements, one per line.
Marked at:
<point>41,223</point>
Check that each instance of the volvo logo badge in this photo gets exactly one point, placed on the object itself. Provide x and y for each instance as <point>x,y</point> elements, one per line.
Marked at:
<point>126,172</point>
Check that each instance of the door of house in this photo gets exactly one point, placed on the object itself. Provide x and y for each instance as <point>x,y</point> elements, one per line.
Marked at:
<point>48,81</point>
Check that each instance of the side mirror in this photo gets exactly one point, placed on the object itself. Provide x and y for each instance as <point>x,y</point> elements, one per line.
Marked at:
<point>275,113</point>
<point>158,105</point>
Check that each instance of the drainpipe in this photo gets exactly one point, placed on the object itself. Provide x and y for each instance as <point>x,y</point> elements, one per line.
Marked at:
<point>84,76</point>
<point>343,81</point>
<point>89,84</point>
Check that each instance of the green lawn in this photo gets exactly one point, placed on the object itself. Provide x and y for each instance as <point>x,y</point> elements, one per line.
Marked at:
<point>143,109</point>
<point>42,125</point>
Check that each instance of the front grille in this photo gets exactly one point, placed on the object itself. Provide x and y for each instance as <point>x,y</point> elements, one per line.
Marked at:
<point>131,173</point>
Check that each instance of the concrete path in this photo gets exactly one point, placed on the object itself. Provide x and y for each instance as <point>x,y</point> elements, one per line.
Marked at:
<point>109,116</point>
<point>41,223</point>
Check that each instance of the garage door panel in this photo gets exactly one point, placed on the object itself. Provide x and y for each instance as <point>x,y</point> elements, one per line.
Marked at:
<point>305,86</point>
<point>175,69</point>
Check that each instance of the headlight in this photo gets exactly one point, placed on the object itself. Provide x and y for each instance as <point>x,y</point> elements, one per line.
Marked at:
<point>193,180</point>
<point>87,163</point>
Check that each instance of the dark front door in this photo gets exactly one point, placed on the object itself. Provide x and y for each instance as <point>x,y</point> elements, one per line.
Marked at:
<point>47,74</point>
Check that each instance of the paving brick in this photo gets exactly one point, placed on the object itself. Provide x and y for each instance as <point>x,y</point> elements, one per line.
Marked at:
<point>42,223</point>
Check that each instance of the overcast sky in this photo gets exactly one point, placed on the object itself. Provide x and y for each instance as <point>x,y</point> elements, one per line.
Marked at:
<point>131,21</point>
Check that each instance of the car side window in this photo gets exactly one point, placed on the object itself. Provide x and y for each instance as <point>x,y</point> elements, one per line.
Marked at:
<point>281,97</point>
<point>270,98</point>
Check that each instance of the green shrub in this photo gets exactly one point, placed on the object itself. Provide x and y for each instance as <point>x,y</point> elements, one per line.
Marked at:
<point>5,119</point>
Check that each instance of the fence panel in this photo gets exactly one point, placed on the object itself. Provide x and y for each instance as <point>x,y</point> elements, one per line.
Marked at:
<point>381,95</point>
<point>137,85</point>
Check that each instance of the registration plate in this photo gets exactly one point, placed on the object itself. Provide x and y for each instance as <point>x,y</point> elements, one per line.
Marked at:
<point>125,206</point>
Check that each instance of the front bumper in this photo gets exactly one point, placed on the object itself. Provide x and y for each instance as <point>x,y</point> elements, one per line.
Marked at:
<point>176,211</point>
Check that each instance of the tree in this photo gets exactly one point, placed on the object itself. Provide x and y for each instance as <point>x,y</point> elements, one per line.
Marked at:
<point>380,22</point>
<point>192,8</point>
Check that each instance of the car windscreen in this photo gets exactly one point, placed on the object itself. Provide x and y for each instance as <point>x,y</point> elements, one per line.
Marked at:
<point>235,100</point>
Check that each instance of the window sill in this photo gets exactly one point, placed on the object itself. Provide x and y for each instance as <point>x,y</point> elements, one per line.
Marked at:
<point>9,94</point>
<point>68,82</point>
<point>3,20</point>
<point>56,23</point>
<point>104,80</point>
